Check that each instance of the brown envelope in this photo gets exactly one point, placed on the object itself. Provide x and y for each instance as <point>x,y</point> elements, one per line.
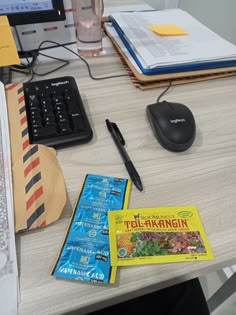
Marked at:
<point>38,184</point>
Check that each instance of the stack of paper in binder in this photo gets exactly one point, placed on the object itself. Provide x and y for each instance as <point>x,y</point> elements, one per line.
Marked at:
<point>159,46</point>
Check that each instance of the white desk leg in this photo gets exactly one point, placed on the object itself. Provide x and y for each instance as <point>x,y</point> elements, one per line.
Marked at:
<point>223,293</point>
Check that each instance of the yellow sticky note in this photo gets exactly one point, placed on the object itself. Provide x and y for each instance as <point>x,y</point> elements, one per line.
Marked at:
<point>167,30</point>
<point>8,51</point>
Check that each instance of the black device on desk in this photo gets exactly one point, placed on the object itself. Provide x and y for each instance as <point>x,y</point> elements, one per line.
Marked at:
<point>173,125</point>
<point>28,12</point>
<point>55,113</point>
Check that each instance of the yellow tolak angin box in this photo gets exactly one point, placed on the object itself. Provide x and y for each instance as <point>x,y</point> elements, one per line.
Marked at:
<point>157,235</point>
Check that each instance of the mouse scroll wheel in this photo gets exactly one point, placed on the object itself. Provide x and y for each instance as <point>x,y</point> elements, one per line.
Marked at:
<point>165,103</point>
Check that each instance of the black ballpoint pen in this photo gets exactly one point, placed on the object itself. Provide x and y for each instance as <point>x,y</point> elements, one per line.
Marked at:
<point>120,142</point>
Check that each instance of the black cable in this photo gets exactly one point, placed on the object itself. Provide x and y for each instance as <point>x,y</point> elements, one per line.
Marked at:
<point>26,68</point>
<point>87,64</point>
<point>65,63</point>
<point>29,68</point>
<point>30,54</point>
<point>34,54</point>
<point>21,67</point>
<point>164,92</point>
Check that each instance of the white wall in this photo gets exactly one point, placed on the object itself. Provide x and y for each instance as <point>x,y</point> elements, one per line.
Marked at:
<point>162,4</point>
<point>218,15</point>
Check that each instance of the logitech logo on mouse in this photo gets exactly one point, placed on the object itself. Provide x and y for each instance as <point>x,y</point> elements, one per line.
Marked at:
<point>177,120</point>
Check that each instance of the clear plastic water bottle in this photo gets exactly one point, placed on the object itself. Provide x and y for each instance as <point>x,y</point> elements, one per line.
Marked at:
<point>87,18</point>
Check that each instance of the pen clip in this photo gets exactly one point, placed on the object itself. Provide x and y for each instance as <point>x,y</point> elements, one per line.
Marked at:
<point>113,126</point>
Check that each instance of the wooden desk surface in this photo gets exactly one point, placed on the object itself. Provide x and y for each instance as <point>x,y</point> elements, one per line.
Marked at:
<point>204,175</point>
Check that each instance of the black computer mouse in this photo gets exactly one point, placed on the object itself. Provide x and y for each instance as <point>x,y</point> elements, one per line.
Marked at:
<point>173,125</point>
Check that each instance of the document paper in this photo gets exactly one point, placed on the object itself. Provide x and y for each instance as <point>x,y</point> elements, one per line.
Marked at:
<point>115,37</point>
<point>201,44</point>
<point>8,264</point>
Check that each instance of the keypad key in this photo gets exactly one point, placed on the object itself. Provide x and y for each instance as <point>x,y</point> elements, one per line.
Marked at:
<point>62,117</point>
<point>33,103</point>
<point>35,114</point>
<point>37,120</point>
<point>57,100</point>
<point>44,102</point>
<point>73,109</point>
<point>37,125</point>
<point>60,108</point>
<point>41,133</point>
<point>47,110</point>
<point>49,120</point>
<point>77,122</point>
<point>65,128</point>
